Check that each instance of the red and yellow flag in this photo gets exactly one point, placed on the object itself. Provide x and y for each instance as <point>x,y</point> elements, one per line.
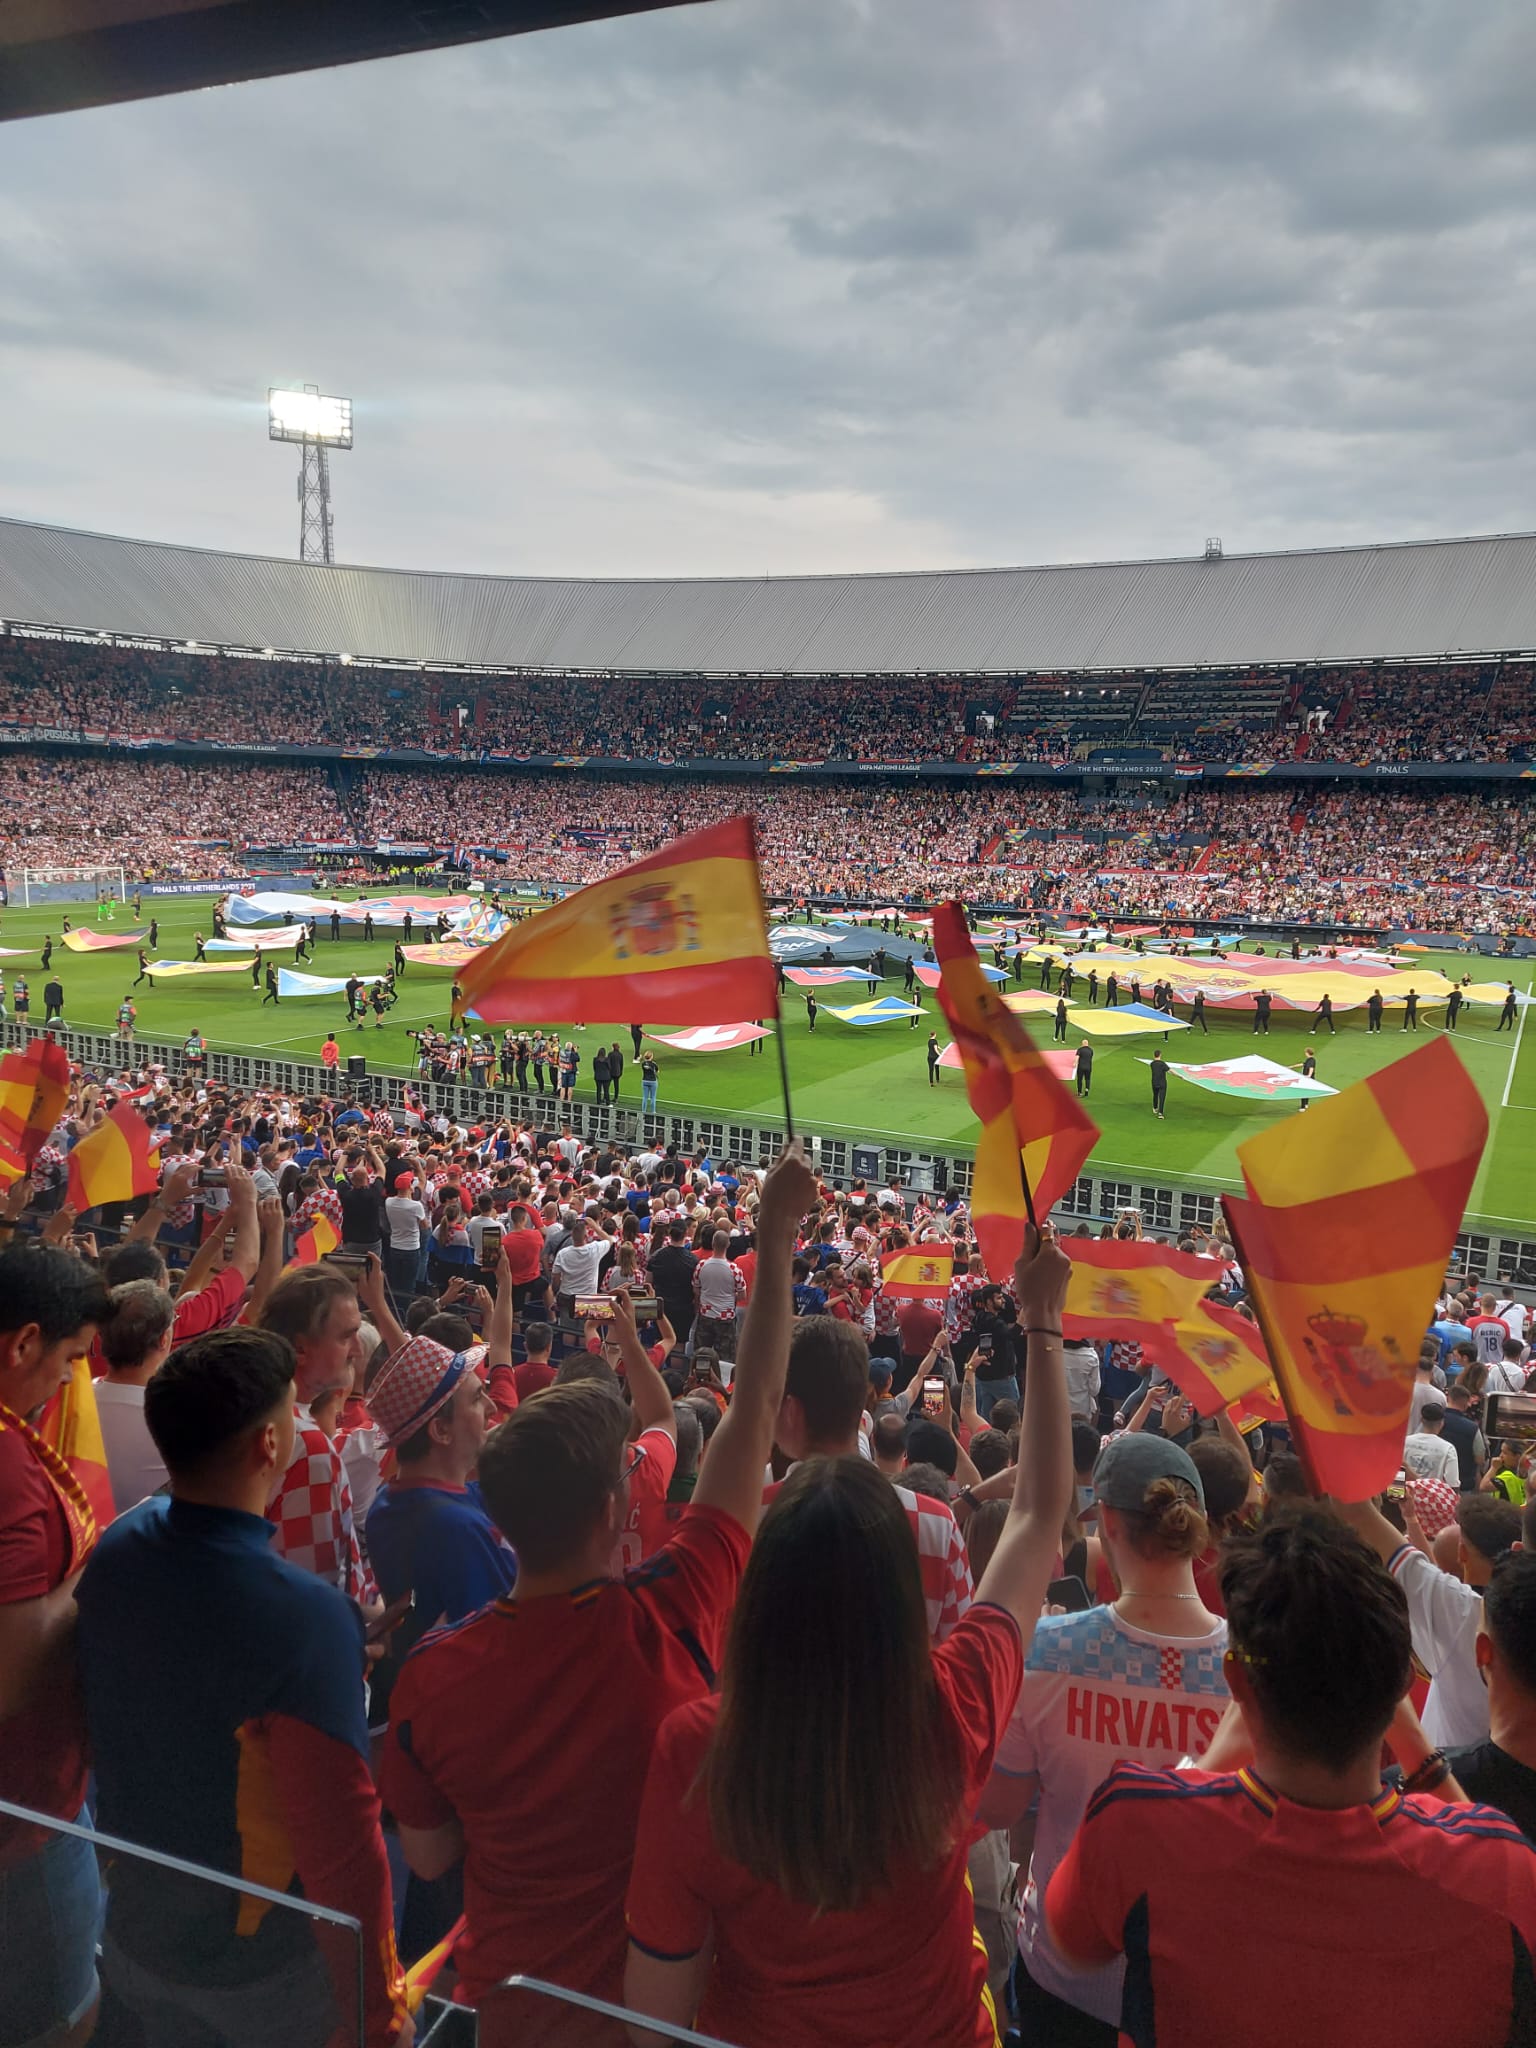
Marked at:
<point>313,1244</point>
<point>1349,1219</point>
<point>71,1423</point>
<point>1127,1290</point>
<point>1026,1114</point>
<point>917,1273</point>
<point>679,938</point>
<point>115,1162</point>
<point>1216,1357</point>
<point>34,1093</point>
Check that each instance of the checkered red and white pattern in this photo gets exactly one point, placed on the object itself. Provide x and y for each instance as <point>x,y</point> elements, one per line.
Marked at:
<point>1434,1503</point>
<point>961,1303</point>
<point>409,1388</point>
<point>946,1571</point>
<point>313,1514</point>
<point>323,1202</point>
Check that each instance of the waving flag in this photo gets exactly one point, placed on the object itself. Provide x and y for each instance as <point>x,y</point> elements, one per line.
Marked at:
<point>34,1093</point>
<point>115,1162</point>
<point>1129,1290</point>
<point>917,1273</point>
<point>1026,1114</point>
<point>312,1245</point>
<point>71,1423</point>
<point>1349,1219</point>
<point>678,938</point>
<point>1216,1357</point>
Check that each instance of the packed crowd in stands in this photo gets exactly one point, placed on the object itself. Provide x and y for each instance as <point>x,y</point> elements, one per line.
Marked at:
<point>1470,711</point>
<point>446,1584</point>
<point>1381,857</point>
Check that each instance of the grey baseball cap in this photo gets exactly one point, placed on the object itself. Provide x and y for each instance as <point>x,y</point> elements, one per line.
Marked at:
<point>1129,1464</point>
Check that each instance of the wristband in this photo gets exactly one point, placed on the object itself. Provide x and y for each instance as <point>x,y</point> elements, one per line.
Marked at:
<point>1433,1771</point>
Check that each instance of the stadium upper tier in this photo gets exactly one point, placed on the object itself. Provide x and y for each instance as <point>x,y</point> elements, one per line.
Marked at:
<point>1424,600</point>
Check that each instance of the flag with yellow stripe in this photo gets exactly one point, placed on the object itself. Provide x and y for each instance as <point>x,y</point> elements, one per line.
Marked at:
<point>71,1423</point>
<point>312,1245</point>
<point>678,938</point>
<point>1344,1233</point>
<point>116,1161</point>
<point>34,1093</point>
<point>1026,1114</point>
<point>917,1273</point>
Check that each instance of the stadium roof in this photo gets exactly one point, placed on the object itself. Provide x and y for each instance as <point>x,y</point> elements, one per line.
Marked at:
<point>59,54</point>
<point>1424,600</point>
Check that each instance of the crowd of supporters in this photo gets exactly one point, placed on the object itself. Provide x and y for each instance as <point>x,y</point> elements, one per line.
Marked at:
<point>1371,855</point>
<point>1369,715</point>
<point>819,1668</point>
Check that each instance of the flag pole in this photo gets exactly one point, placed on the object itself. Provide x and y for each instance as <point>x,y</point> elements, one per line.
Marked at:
<point>789,1114</point>
<point>778,1014</point>
<point>1029,1199</point>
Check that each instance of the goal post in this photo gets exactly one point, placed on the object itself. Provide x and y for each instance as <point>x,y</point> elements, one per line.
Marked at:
<point>72,885</point>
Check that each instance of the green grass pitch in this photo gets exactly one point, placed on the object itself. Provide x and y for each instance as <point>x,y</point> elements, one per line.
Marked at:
<point>847,1081</point>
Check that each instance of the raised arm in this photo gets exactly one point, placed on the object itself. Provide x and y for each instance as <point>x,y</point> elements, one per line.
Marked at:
<point>1020,1569</point>
<point>647,1389</point>
<point>731,1477</point>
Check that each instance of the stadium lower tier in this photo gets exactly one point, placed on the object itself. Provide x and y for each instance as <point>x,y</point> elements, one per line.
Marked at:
<point>1341,854</point>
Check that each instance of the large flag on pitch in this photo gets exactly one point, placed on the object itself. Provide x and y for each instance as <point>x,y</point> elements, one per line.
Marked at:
<point>34,1093</point>
<point>1350,1216</point>
<point>679,938</point>
<point>115,1162</point>
<point>1025,1111</point>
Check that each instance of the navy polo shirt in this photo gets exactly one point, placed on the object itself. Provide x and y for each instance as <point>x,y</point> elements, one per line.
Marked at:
<point>193,1631</point>
<point>439,1543</point>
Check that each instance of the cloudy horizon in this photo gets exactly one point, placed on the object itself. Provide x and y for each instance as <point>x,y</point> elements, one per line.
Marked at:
<point>781,286</point>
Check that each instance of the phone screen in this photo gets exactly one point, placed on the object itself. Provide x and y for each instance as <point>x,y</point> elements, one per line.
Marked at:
<point>1069,1594</point>
<point>935,1397</point>
<point>599,1307</point>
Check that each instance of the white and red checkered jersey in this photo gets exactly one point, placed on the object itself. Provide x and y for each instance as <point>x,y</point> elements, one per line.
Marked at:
<point>316,1529</point>
<point>383,1123</point>
<point>475,1183</point>
<point>962,1302</point>
<point>179,1217</point>
<point>323,1202</point>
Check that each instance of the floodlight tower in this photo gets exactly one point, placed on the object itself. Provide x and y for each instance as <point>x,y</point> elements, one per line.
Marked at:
<point>316,424</point>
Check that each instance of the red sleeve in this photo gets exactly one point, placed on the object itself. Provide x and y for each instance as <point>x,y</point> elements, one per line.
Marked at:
<point>693,1578</point>
<point>1084,1907</point>
<point>980,1668</point>
<point>404,1783</point>
<point>211,1307</point>
<point>502,1388</point>
<point>668,1904</point>
<point>331,1809</point>
<point>25,1569</point>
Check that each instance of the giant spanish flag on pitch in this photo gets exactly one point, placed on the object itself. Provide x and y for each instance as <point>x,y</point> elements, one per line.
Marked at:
<point>71,1422</point>
<point>115,1162</point>
<point>679,938</point>
<point>34,1093</point>
<point>1350,1217</point>
<point>1025,1112</point>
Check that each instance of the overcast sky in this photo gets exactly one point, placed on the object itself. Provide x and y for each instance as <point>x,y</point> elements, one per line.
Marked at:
<point>799,285</point>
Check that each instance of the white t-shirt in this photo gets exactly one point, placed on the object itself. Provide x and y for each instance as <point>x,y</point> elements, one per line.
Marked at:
<point>717,1288</point>
<point>1098,1692</point>
<point>1516,1315</point>
<point>1430,1457</point>
<point>576,1266</point>
<point>133,1463</point>
<point>405,1216</point>
<point>1444,1615</point>
<point>1505,1378</point>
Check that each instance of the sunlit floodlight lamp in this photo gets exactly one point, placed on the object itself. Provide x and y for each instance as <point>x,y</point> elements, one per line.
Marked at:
<point>309,416</point>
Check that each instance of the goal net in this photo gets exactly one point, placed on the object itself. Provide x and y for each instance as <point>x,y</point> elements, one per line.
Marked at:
<point>72,885</point>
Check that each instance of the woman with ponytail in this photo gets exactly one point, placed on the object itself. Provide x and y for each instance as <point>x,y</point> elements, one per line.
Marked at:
<point>1139,1680</point>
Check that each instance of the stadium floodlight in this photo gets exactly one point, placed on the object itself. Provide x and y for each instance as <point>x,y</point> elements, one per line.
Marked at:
<point>316,423</point>
<point>308,416</point>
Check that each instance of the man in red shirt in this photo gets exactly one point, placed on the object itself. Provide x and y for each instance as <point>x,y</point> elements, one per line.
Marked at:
<point>51,1304</point>
<point>519,1739</point>
<point>1299,1873</point>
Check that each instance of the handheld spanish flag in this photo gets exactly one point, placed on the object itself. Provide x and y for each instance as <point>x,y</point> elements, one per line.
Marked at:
<point>678,938</point>
<point>1034,1135</point>
<point>1216,1358</point>
<point>34,1093</point>
<point>71,1423</point>
<point>1349,1219</point>
<point>115,1162</point>
<point>312,1245</point>
<point>917,1273</point>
